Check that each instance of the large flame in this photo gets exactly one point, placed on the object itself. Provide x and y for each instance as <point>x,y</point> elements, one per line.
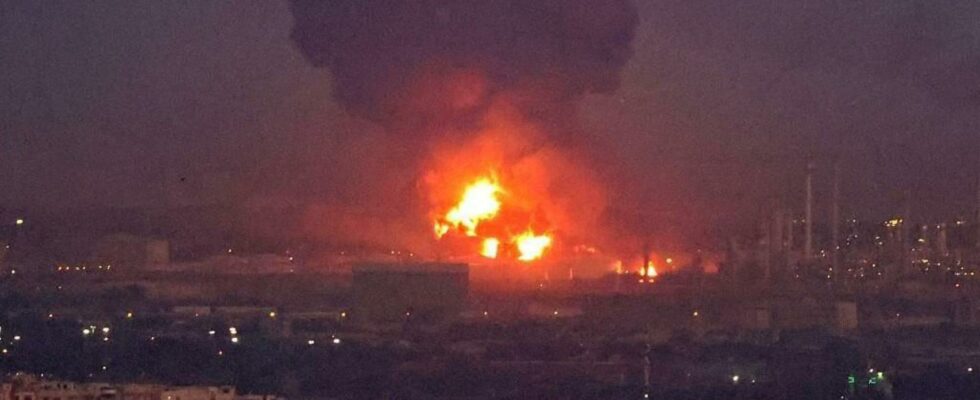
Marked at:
<point>479,203</point>
<point>531,246</point>
<point>649,271</point>
<point>504,182</point>
<point>490,246</point>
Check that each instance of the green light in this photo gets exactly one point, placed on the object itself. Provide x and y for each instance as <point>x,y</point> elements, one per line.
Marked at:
<point>873,381</point>
<point>881,375</point>
<point>850,379</point>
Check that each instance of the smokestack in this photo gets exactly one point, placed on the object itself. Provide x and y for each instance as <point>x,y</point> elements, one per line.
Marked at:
<point>776,248</point>
<point>942,241</point>
<point>778,216</point>
<point>768,248</point>
<point>734,260</point>
<point>835,221</point>
<point>808,214</point>
<point>906,233</point>
<point>790,228</point>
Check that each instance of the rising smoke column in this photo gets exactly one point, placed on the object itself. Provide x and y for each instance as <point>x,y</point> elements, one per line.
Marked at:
<point>428,66</point>
<point>451,79</point>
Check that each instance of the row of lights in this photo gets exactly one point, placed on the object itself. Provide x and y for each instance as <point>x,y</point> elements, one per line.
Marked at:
<point>67,268</point>
<point>232,331</point>
<point>736,379</point>
<point>335,340</point>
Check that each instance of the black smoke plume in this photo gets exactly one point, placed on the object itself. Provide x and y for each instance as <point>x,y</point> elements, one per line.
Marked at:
<point>430,66</point>
<point>441,75</point>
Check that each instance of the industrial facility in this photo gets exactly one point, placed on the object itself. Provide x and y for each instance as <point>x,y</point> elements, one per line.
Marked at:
<point>424,292</point>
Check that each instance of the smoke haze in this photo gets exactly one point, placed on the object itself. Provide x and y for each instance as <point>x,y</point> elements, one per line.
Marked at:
<point>471,88</point>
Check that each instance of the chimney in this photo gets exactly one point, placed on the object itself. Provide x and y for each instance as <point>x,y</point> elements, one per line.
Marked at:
<point>942,241</point>
<point>906,233</point>
<point>790,228</point>
<point>835,221</point>
<point>735,260</point>
<point>775,241</point>
<point>808,214</point>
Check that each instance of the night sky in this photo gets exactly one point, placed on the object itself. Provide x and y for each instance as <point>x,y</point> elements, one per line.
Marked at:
<point>147,103</point>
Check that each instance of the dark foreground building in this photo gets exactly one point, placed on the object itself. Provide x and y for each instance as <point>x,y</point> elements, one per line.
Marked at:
<point>423,292</point>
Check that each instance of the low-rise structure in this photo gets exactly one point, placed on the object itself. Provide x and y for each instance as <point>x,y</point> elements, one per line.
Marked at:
<point>22,386</point>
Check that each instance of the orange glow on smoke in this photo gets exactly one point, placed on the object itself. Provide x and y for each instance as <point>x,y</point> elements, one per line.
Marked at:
<point>531,246</point>
<point>506,182</point>
<point>490,246</point>
<point>618,266</point>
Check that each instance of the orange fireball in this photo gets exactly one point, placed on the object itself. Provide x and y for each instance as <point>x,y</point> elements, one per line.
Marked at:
<point>479,203</point>
<point>490,246</point>
<point>531,246</point>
